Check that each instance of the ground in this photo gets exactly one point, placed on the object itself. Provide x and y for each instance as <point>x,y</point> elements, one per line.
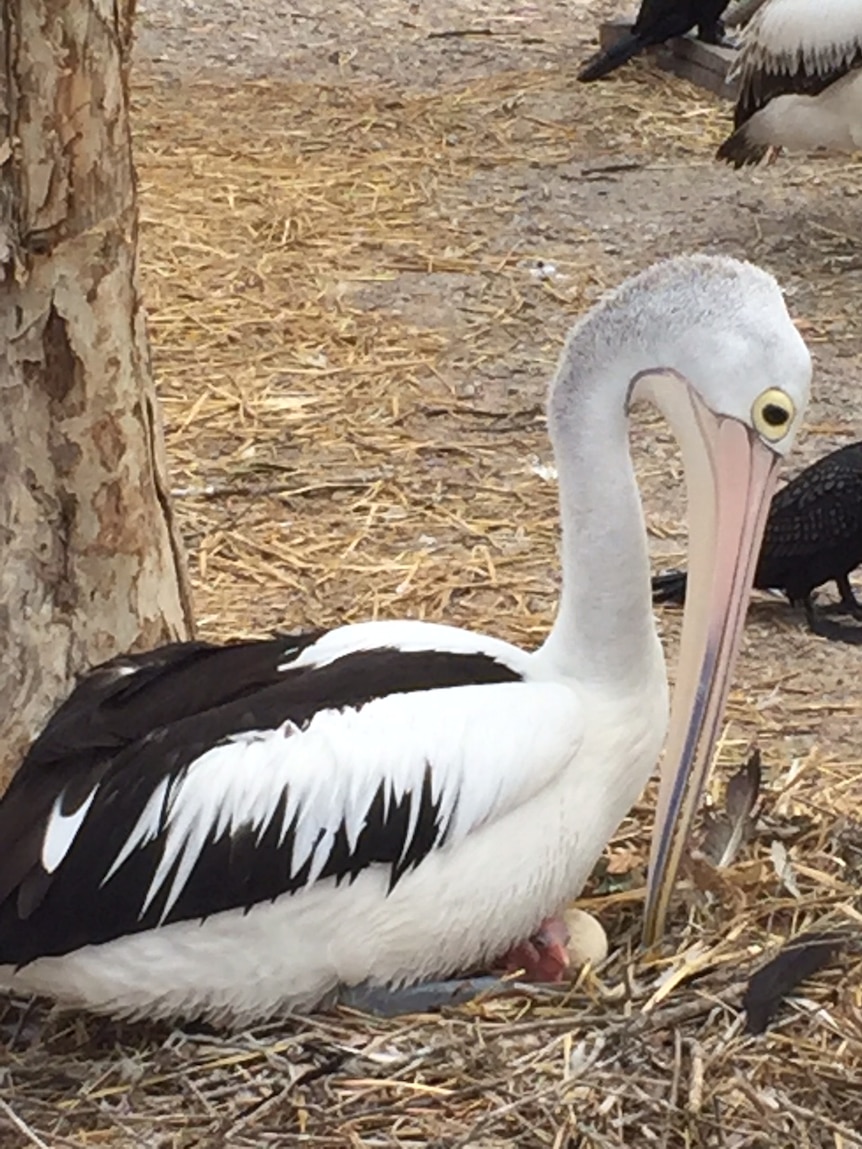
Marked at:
<point>366,229</point>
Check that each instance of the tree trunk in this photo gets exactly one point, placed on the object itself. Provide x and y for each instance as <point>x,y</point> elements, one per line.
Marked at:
<point>90,561</point>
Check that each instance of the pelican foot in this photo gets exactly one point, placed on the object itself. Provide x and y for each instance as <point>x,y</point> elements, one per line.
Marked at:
<point>543,956</point>
<point>383,1001</point>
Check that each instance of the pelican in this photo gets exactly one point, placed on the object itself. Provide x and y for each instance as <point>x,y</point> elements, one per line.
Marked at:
<point>800,70</point>
<point>229,832</point>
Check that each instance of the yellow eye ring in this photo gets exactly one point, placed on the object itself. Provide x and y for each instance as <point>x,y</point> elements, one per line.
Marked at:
<point>772,414</point>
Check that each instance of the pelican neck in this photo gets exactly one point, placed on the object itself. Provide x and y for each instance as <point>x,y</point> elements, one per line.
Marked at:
<point>604,631</point>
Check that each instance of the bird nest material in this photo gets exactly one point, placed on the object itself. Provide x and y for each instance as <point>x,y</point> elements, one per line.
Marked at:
<point>355,302</point>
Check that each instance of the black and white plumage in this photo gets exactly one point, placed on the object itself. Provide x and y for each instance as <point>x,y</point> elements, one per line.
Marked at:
<point>233,831</point>
<point>155,850</point>
<point>800,72</point>
<point>657,21</point>
<point>175,787</point>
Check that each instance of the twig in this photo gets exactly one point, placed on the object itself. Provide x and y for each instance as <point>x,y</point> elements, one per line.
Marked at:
<point>452,33</point>
<point>220,490</point>
<point>22,1126</point>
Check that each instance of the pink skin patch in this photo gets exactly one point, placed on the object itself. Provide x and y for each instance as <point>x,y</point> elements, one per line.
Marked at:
<point>543,956</point>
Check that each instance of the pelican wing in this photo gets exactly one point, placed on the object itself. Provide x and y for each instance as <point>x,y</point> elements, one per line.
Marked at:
<point>198,779</point>
<point>796,47</point>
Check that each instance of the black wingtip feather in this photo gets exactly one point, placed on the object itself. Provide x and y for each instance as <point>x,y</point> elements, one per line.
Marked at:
<point>740,150</point>
<point>187,702</point>
<point>799,959</point>
<point>609,59</point>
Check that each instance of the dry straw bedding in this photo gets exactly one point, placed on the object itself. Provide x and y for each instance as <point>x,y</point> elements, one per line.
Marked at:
<point>356,430</point>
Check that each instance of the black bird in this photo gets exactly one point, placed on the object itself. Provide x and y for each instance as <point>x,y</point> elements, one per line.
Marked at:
<point>657,21</point>
<point>813,535</point>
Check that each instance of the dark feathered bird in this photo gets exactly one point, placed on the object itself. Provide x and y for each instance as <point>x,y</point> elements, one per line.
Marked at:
<point>657,21</point>
<point>813,536</point>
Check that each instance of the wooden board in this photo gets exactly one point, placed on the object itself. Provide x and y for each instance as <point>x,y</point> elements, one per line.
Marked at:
<point>703,64</point>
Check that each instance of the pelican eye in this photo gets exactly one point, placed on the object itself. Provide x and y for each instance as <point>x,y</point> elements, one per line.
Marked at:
<point>772,413</point>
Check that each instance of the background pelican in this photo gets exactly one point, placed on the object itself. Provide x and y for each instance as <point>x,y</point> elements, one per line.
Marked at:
<point>230,831</point>
<point>800,70</point>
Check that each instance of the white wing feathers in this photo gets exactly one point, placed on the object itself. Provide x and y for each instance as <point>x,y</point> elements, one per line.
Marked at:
<point>787,36</point>
<point>474,740</point>
<point>408,636</point>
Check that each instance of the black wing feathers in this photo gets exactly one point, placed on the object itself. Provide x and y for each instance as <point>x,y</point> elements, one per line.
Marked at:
<point>660,20</point>
<point>656,21</point>
<point>195,684</point>
<point>800,958</point>
<point>125,699</point>
<point>763,86</point>
<point>133,734</point>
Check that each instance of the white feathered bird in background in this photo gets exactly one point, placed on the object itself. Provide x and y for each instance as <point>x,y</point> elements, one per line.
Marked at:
<point>800,70</point>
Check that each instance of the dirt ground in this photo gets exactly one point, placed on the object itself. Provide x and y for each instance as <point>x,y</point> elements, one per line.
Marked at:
<point>365,231</point>
<point>612,191</point>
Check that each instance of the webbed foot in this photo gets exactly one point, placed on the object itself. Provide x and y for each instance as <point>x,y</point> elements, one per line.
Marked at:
<point>385,1001</point>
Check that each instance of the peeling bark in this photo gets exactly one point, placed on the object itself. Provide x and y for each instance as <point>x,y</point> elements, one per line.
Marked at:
<point>90,560</point>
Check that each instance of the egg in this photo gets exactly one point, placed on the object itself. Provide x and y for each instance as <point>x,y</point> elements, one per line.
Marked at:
<point>588,941</point>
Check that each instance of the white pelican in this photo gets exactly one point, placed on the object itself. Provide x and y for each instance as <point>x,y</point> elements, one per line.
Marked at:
<point>800,70</point>
<point>229,832</point>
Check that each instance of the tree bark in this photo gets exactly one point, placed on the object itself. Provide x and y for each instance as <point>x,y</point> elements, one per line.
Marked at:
<point>90,560</point>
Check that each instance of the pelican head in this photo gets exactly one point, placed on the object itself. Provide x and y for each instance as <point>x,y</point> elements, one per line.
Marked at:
<point>731,375</point>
